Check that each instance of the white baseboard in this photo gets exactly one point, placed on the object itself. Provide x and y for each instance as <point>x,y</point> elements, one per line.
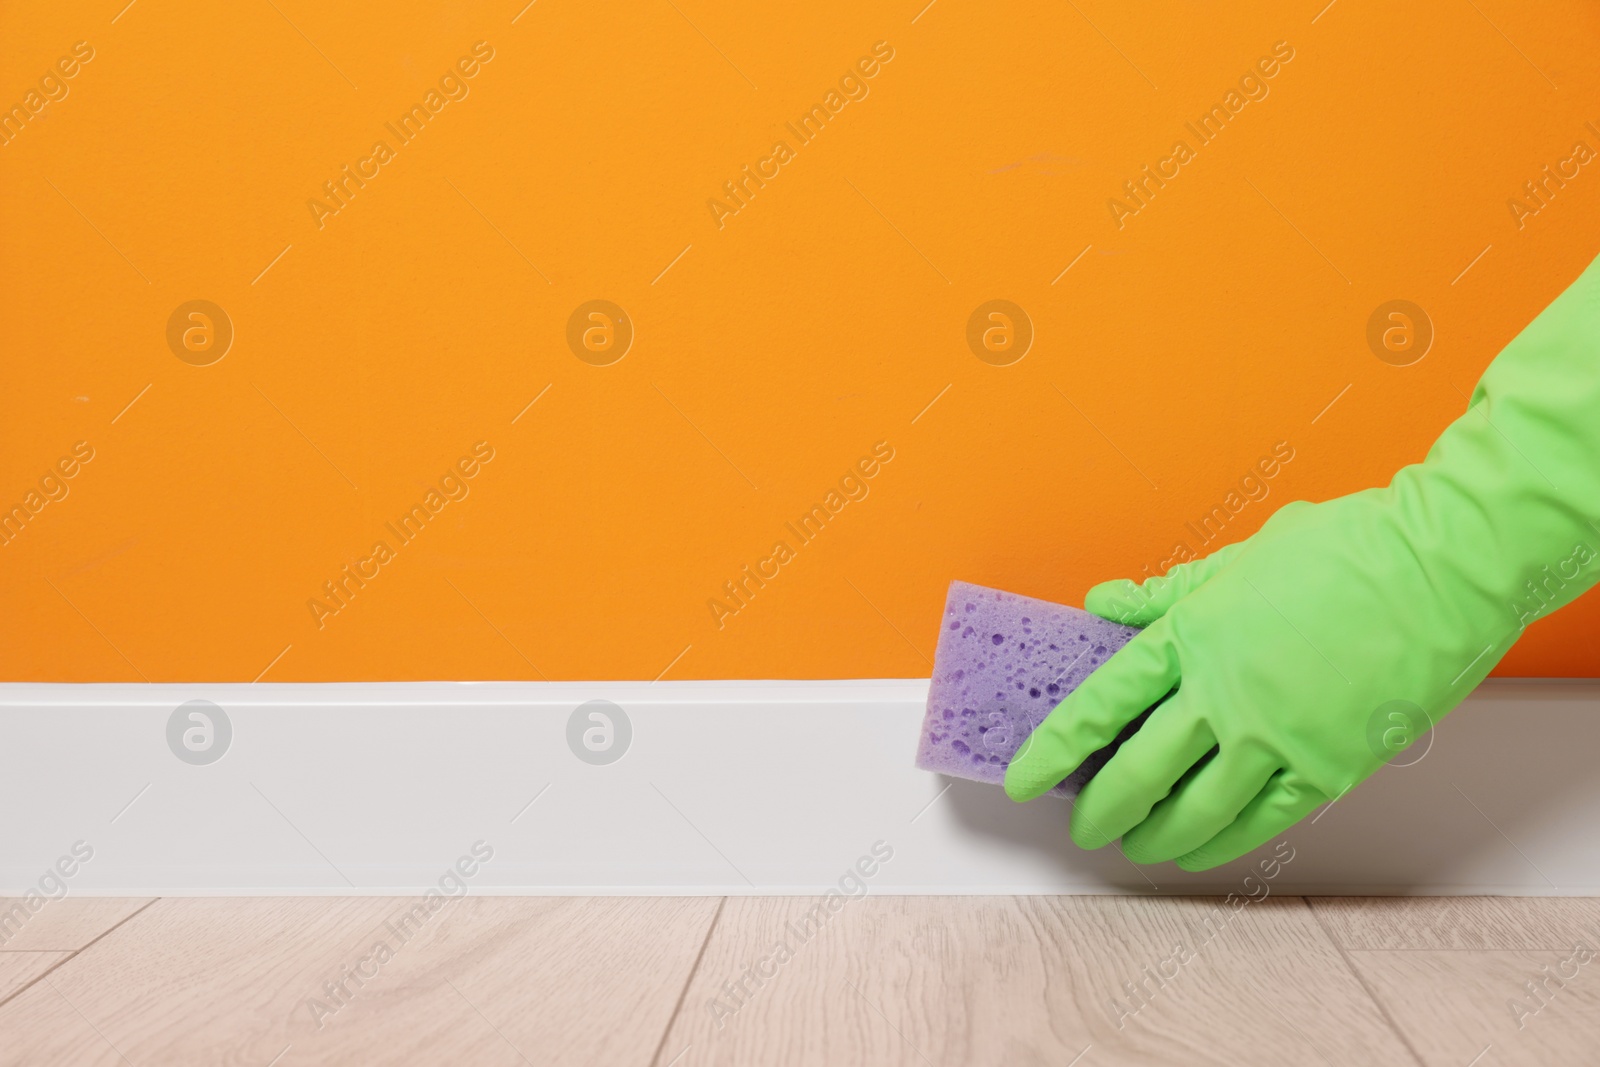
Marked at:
<point>726,787</point>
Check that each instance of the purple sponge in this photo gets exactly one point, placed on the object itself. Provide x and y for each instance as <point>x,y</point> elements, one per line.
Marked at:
<point>1003,663</point>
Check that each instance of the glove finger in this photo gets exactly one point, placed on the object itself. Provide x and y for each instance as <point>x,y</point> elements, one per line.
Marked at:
<point>1135,604</point>
<point>1171,741</point>
<point>1286,800</point>
<point>1144,671</point>
<point>1203,806</point>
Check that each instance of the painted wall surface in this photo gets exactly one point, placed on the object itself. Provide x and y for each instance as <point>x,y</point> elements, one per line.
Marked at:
<point>609,297</point>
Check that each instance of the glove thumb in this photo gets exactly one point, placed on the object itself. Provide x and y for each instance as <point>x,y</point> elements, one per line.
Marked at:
<point>1140,604</point>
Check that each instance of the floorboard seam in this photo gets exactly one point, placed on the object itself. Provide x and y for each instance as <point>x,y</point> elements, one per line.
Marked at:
<point>72,954</point>
<point>1355,972</point>
<point>687,982</point>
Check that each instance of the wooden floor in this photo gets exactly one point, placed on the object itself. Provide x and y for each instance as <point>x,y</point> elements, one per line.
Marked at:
<point>680,982</point>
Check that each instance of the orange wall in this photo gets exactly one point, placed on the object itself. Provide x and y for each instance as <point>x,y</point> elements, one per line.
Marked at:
<point>773,348</point>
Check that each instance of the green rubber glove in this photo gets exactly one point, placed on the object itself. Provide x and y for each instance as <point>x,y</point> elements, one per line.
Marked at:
<point>1302,658</point>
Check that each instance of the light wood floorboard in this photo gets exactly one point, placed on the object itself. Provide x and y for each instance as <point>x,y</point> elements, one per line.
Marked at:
<point>64,925</point>
<point>1459,922</point>
<point>484,981</point>
<point>1472,1006</point>
<point>1030,980</point>
<point>18,969</point>
<point>917,981</point>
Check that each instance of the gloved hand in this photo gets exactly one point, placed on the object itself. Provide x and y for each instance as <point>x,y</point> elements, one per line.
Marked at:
<point>1301,658</point>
